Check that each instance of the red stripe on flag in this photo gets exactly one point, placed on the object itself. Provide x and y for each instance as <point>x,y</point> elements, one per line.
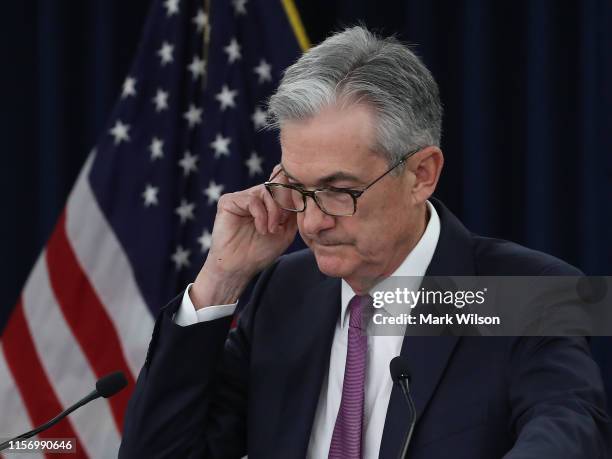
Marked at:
<point>86,316</point>
<point>36,391</point>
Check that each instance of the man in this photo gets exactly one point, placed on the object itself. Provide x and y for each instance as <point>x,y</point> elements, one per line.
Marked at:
<point>360,126</point>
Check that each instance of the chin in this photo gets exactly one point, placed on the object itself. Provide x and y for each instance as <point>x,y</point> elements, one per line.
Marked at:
<point>333,264</point>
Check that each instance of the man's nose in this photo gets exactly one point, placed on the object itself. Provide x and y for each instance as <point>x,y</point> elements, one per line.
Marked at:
<point>315,220</point>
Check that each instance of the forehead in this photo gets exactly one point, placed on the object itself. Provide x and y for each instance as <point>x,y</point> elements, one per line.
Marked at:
<point>338,139</point>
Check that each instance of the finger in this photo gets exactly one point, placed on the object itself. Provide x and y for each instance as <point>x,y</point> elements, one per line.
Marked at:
<point>234,203</point>
<point>260,216</point>
<point>276,214</point>
<point>244,204</point>
<point>272,209</point>
<point>285,215</point>
<point>279,177</point>
<point>257,199</point>
<point>289,228</point>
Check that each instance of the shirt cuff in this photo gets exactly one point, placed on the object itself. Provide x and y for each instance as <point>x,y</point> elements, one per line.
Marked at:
<point>188,315</point>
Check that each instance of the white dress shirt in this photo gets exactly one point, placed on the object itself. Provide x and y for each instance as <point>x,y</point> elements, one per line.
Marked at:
<point>381,349</point>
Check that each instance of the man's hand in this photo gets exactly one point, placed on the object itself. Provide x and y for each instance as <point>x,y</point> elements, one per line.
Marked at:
<point>249,233</point>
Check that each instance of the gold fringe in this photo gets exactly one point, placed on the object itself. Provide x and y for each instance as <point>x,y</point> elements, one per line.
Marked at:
<point>296,24</point>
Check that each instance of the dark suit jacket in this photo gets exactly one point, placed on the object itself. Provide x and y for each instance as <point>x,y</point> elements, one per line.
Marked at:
<point>202,395</point>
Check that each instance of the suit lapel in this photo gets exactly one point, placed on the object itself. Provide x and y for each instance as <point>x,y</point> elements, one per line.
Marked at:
<point>320,311</point>
<point>428,356</point>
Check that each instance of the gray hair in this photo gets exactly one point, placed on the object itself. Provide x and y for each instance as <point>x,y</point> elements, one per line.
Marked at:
<point>355,66</point>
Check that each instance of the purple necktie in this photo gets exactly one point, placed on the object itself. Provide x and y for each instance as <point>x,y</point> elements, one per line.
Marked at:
<point>346,440</point>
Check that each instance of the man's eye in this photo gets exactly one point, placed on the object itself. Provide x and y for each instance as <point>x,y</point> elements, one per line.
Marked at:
<point>343,186</point>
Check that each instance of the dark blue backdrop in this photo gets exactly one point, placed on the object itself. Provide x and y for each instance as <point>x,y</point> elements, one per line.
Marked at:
<point>527,89</point>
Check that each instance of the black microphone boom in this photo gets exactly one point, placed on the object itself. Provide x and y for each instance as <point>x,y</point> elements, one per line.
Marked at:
<point>107,386</point>
<point>400,374</point>
<point>110,384</point>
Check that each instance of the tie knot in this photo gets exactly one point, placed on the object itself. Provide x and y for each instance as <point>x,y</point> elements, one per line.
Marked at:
<point>357,308</point>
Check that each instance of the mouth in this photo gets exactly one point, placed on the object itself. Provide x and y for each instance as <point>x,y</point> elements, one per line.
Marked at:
<point>329,244</point>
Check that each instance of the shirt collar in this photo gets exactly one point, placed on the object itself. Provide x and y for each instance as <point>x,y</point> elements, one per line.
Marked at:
<point>415,264</point>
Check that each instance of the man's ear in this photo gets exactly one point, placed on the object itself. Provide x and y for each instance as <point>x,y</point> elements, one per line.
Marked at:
<point>426,165</point>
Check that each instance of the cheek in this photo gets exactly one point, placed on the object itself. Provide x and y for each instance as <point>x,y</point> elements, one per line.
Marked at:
<point>368,232</point>
<point>379,225</point>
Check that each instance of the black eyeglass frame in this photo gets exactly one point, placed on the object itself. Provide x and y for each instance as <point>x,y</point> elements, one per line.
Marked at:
<point>353,193</point>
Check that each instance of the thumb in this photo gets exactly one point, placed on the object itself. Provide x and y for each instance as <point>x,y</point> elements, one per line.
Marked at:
<point>290,224</point>
<point>285,215</point>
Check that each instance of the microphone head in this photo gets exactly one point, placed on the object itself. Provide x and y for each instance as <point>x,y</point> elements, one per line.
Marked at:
<point>109,385</point>
<point>399,368</point>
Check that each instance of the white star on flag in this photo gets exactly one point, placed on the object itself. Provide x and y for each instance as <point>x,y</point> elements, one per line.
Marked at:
<point>196,67</point>
<point>239,6</point>
<point>264,70</point>
<point>160,100</point>
<point>259,118</point>
<point>166,53</point>
<point>213,192</point>
<point>226,97</point>
<point>200,20</point>
<point>181,257</point>
<point>254,164</point>
<point>120,132</point>
<point>188,163</point>
<point>233,51</point>
<point>181,134</point>
<point>171,7</point>
<point>150,196</point>
<point>205,240</point>
<point>129,87</point>
<point>156,148</point>
<point>185,211</point>
<point>221,145</point>
<point>193,115</point>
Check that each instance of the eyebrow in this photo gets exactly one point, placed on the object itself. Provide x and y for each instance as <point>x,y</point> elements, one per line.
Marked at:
<point>326,180</point>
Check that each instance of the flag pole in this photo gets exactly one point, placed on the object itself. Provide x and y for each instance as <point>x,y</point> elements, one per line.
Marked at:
<point>206,38</point>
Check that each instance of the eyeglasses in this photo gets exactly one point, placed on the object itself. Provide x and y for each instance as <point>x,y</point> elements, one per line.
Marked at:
<point>337,202</point>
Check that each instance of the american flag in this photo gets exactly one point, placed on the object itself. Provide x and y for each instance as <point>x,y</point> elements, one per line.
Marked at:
<point>137,225</point>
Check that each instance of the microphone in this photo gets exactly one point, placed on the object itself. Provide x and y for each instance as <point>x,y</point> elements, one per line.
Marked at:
<point>400,374</point>
<point>109,385</point>
<point>106,387</point>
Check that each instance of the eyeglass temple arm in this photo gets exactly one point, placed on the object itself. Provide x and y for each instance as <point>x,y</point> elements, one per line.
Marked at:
<point>401,161</point>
